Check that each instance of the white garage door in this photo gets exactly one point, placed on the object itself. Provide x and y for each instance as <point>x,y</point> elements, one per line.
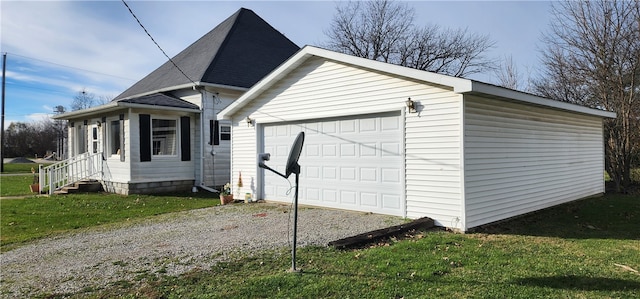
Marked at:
<point>350,163</point>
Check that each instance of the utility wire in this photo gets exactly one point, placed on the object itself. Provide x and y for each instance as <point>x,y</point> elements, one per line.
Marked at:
<point>154,41</point>
<point>70,67</point>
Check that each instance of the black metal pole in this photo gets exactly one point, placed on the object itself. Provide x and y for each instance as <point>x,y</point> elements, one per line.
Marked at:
<point>2,143</point>
<point>295,227</point>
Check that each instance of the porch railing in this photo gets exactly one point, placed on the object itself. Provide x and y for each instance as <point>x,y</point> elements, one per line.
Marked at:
<point>72,170</point>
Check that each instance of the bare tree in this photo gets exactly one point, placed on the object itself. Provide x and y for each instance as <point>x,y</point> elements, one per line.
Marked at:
<point>592,57</point>
<point>83,100</point>
<point>508,75</point>
<point>104,99</point>
<point>383,30</point>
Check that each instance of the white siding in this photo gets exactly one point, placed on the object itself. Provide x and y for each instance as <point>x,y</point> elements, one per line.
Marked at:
<point>521,158</point>
<point>218,166</point>
<point>433,159</point>
<point>320,89</point>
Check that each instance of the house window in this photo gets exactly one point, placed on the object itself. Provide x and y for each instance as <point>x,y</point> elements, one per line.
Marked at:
<point>225,132</point>
<point>82,139</point>
<point>95,139</point>
<point>164,136</point>
<point>114,144</point>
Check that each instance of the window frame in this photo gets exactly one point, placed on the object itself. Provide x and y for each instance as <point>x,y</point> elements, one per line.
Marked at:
<point>176,139</point>
<point>115,146</point>
<point>225,136</point>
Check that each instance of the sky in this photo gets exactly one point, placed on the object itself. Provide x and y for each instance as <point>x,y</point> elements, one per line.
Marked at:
<point>55,49</point>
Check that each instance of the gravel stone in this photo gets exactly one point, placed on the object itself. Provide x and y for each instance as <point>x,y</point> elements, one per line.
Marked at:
<point>170,244</point>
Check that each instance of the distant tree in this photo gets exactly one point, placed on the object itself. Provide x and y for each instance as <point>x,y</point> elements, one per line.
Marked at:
<point>101,100</point>
<point>592,58</point>
<point>383,30</point>
<point>24,139</point>
<point>83,100</point>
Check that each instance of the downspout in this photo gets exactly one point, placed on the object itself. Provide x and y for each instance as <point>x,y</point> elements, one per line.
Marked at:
<point>203,97</point>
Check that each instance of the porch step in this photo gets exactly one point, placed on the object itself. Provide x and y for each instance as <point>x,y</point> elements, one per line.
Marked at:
<point>81,186</point>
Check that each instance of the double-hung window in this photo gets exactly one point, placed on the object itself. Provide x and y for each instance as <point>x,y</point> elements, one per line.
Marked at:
<point>164,137</point>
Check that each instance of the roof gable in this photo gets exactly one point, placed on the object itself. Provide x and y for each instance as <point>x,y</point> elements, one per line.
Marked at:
<point>236,53</point>
<point>458,85</point>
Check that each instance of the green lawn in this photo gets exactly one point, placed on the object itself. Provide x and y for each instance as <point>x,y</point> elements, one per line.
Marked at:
<point>23,220</point>
<point>15,185</point>
<point>21,167</point>
<point>585,249</point>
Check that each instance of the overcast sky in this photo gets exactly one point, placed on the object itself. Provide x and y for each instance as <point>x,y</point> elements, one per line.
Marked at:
<point>58,48</point>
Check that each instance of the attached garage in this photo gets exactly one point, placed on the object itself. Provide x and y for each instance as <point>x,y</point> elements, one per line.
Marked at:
<point>392,140</point>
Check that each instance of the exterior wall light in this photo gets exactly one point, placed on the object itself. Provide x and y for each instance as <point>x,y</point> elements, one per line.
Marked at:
<point>411,105</point>
<point>249,121</point>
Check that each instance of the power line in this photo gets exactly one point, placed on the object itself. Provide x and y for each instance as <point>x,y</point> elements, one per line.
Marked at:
<point>154,41</point>
<point>70,67</point>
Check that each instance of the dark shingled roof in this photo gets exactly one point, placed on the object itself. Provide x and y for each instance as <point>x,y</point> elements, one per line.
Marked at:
<point>161,99</point>
<point>238,53</point>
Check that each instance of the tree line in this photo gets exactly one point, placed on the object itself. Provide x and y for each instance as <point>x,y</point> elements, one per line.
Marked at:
<point>37,138</point>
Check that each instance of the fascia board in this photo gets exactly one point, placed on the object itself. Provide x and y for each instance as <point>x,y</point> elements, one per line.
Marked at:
<point>111,106</point>
<point>492,90</point>
<point>158,107</point>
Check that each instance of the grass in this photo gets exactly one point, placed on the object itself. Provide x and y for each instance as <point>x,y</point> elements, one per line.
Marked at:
<point>584,249</point>
<point>15,185</point>
<point>21,167</point>
<point>31,218</point>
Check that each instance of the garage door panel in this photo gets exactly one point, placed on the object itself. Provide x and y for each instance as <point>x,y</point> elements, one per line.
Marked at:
<point>350,163</point>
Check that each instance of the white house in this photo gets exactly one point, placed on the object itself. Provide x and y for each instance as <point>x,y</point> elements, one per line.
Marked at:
<point>465,153</point>
<point>163,134</point>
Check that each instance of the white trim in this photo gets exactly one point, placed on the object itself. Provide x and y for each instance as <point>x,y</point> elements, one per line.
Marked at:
<point>492,90</point>
<point>185,86</point>
<point>403,168</point>
<point>337,114</point>
<point>463,194</point>
<point>176,140</point>
<point>113,106</point>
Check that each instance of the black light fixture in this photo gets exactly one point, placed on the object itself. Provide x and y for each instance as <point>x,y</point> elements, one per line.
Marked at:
<point>249,121</point>
<point>411,105</point>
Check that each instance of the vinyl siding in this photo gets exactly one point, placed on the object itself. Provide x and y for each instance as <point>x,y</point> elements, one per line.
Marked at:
<point>433,159</point>
<point>521,158</point>
<point>321,88</point>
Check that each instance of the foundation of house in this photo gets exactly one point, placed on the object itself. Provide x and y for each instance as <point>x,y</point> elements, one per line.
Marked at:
<point>147,187</point>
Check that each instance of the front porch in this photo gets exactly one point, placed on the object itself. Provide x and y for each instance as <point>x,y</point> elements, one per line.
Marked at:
<point>67,175</point>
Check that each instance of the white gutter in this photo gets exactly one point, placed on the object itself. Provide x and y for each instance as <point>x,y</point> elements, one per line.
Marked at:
<point>113,106</point>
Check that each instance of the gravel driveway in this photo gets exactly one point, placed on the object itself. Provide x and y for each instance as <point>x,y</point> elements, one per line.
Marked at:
<point>170,244</point>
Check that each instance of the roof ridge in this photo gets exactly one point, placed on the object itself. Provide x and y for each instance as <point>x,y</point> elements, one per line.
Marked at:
<point>238,14</point>
<point>236,53</point>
